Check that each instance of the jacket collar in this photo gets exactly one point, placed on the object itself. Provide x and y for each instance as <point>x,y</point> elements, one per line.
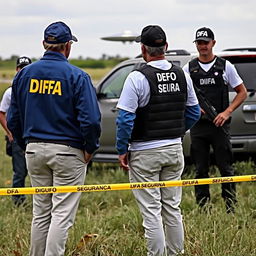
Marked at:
<point>50,55</point>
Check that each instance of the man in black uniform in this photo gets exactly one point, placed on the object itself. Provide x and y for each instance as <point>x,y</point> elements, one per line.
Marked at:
<point>212,75</point>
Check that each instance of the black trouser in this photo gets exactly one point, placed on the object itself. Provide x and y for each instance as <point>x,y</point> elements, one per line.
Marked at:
<point>19,171</point>
<point>203,135</point>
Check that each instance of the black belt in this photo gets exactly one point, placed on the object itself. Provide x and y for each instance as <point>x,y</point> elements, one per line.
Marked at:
<point>62,142</point>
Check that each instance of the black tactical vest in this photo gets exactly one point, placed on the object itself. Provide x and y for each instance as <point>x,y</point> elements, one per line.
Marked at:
<point>163,116</point>
<point>211,83</point>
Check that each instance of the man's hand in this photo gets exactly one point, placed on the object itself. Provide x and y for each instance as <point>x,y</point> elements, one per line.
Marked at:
<point>87,157</point>
<point>123,160</point>
<point>9,135</point>
<point>221,118</point>
<point>202,111</point>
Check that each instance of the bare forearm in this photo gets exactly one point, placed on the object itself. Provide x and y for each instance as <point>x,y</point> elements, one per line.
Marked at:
<point>239,99</point>
<point>4,123</point>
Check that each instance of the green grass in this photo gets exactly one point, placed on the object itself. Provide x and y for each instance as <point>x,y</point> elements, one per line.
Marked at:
<point>116,220</point>
<point>7,74</point>
<point>97,74</point>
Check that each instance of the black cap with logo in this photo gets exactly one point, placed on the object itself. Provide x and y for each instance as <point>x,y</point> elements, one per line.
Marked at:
<point>153,36</point>
<point>23,61</point>
<point>204,34</point>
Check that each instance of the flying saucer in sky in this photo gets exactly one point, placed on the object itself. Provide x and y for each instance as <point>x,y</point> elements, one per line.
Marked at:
<point>126,36</point>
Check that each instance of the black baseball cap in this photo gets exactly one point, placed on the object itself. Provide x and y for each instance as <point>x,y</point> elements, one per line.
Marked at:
<point>153,36</point>
<point>23,61</point>
<point>57,33</point>
<point>204,34</point>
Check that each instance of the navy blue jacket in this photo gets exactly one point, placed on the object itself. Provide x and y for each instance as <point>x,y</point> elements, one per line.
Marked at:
<point>54,100</point>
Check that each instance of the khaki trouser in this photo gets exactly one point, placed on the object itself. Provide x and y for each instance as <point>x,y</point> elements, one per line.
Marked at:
<point>162,219</point>
<point>53,214</point>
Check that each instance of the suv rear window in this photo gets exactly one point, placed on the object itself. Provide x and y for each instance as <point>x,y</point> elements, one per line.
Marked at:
<point>246,68</point>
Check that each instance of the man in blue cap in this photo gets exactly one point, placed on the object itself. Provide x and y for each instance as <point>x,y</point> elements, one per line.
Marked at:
<point>55,115</point>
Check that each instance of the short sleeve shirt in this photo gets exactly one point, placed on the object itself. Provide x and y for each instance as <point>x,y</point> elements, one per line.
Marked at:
<point>6,100</point>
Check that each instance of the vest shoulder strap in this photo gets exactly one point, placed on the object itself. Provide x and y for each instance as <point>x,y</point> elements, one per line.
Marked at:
<point>145,69</point>
<point>193,65</point>
<point>220,64</point>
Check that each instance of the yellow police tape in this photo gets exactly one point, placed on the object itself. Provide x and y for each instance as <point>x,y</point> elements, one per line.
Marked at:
<point>123,186</point>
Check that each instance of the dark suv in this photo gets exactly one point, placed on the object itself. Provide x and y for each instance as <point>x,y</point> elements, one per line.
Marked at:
<point>243,124</point>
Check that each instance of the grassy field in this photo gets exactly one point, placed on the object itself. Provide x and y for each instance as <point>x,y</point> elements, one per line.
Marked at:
<point>96,74</point>
<point>109,223</point>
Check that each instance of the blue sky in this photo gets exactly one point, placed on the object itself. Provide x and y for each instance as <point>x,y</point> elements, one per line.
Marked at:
<point>22,23</point>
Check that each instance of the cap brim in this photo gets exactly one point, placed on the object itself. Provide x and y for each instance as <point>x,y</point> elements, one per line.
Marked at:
<point>22,65</point>
<point>138,39</point>
<point>74,38</point>
<point>206,39</point>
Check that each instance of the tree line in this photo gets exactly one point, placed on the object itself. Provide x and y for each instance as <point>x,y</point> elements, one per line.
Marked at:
<point>103,62</point>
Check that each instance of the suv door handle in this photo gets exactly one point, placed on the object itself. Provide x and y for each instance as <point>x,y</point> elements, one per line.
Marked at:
<point>114,109</point>
<point>249,108</point>
<point>249,113</point>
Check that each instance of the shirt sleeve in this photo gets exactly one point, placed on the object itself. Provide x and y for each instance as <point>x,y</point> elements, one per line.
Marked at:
<point>124,123</point>
<point>14,121</point>
<point>135,93</point>
<point>185,68</point>
<point>88,111</point>
<point>192,115</point>
<point>233,78</point>
<point>6,100</point>
<point>192,111</point>
<point>192,99</point>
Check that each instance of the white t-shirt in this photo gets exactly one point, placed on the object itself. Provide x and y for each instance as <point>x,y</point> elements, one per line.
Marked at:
<point>230,74</point>
<point>136,93</point>
<point>6,100</point>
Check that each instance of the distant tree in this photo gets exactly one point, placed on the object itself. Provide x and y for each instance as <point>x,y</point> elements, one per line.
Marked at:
<point>104,56</point>
<point>14,57</point>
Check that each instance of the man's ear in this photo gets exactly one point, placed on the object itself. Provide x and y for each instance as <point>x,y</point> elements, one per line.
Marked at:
<point>143,49</point>
<point>67,49</point>
<point>166,46</point>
